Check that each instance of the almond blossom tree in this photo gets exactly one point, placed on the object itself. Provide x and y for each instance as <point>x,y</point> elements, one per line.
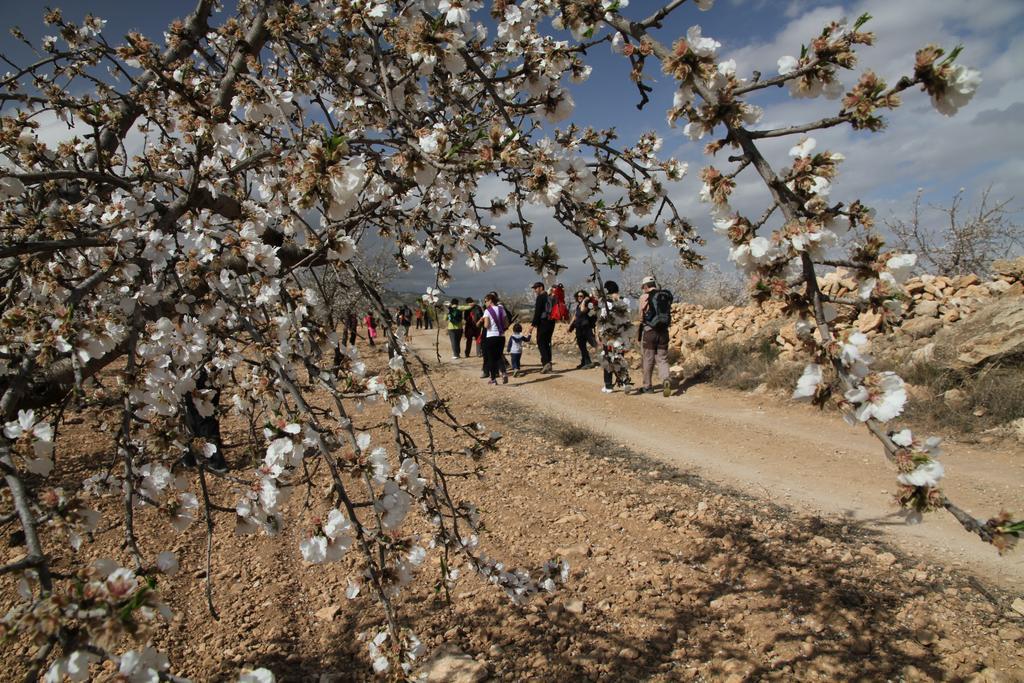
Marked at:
<point>179,233</point>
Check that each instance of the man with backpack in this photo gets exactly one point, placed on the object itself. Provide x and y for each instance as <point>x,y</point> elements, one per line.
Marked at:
<point>655,317</point>
<point>405,321</point>
<point>455,327</point>
<point>543,324</point>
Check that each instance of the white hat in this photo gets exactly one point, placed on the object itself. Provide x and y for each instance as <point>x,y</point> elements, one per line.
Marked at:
<point>649,280</point>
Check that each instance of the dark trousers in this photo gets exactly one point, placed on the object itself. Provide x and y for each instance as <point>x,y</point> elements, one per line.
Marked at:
<point>494,363</point>
<point>470,336</point>
<point>544,332</point>
<point>419,323</point>
<point>515,360</point>
<point>584,338</point>
<point>349,336</point>
<point>455,336</point>
<point>610,379</point>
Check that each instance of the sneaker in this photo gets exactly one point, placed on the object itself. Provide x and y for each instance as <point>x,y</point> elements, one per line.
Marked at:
<point>666,388</point>
<point>455,357</point>
<point>217,466</point>
<point>546,369</point>
<point>581,366</point>
<point>515,373</point>
<point>492,382</point>
<point>504,379</point>
<point>483,375</point>
<point>606,390</point>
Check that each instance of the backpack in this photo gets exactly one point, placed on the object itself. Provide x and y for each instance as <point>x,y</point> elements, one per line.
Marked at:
<point>558,310</point>
<point>659,309</point>
<point>454,316</point>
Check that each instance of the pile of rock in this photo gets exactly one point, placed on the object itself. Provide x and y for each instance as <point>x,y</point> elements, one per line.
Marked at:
<point>934,325</point>
<point>935,311</point>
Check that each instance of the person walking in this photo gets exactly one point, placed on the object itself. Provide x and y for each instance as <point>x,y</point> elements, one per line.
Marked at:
<point>429,316</point>
<point>613,329</point>
<point>543,325</point>
<point>418,314</point>
<point>515,347</point>
<point>405,321</point>
<point>455,327</point>
<point>371,328</point>
<point>655,317</point>
<point>583,318</point>
<point>471,326</point>
<point>494,323</point>
<point>348,336</point>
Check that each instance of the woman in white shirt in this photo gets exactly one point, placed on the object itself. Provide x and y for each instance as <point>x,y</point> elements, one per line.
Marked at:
<point>494,323</point>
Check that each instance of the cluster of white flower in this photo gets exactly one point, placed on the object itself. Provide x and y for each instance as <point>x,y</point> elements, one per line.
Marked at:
<point>37,437</point>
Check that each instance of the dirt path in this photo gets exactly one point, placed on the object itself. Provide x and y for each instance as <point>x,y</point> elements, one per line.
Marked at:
<point>775,450</point>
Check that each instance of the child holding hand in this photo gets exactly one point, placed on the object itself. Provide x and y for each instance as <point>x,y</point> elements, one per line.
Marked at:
<point>515,347</point>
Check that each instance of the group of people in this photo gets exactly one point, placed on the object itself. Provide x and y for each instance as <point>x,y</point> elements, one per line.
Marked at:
<point>485,325</point>
<point>606,327</point>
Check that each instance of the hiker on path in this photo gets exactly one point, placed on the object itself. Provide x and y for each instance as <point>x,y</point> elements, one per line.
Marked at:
<point>515,347</point>
<point>543,325</point>
<point>655,317</point>
<point>472,329</point>
<point>348,337</point>
<point>583,319</point>
<point>418,313</point>
<point>405,321</point>
<point>429,316</point>
<point>204,424</point>
<point>455,327</point>
<point>614,335</point>
<point>371,328</point>
<point>494,323</point>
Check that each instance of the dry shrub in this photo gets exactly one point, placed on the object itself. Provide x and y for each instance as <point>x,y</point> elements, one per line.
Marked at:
<point>982,399</point>
<point>740,366</point>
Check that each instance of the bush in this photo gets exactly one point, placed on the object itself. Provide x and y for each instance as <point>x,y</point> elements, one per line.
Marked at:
<point>739,366</point>
<point>983,399</point>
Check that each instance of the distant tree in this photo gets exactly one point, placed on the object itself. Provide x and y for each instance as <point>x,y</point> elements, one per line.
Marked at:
<point>707,285</point>
<point>960,241</point>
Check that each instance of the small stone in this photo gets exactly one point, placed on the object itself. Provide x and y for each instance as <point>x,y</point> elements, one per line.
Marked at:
<point>452,666</point>
<point>1018,606</point>
<point>578,550</point>
<point>885,559</point>
<point>1011,633</point>
<point>629,653</point>
<point>574,606</point>
<point>327,613</point>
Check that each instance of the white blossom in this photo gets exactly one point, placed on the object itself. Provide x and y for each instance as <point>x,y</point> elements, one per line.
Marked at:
<point>807,385</point>
<point>959,90</point>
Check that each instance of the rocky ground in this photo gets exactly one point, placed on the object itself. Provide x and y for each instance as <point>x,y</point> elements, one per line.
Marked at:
<point>673,578</point>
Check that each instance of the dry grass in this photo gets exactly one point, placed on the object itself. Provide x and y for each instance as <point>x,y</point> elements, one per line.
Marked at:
<point>743,367</point>
<point>982,400</point>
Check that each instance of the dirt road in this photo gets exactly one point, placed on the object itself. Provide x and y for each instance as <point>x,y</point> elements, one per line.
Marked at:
<point>780,451</point>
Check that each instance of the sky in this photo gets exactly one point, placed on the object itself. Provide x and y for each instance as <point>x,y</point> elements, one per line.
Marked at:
<point>983,146</point>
